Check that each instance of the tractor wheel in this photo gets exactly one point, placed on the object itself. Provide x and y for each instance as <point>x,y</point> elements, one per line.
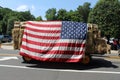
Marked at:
<point>86,59</point>
<point>27,59</point>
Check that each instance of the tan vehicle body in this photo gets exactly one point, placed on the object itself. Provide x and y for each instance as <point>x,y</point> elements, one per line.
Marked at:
<point>95,43</point>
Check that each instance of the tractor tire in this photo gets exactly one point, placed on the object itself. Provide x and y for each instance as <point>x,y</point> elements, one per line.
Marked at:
<point>26,59</point>
<point>86,59</point>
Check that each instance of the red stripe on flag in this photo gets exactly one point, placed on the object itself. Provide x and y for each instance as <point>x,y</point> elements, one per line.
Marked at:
<point>44,25</point>
<point>51,59</point>
<point>43,31</point>
<point>41,37</point>
<point>53,44</point>
<point>52,51</point>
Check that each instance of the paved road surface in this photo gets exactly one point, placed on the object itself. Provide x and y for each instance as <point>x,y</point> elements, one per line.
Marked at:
<point>106,67</point>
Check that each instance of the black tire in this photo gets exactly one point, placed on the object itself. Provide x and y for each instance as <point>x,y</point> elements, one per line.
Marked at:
<point>26,59</point>
<point>86,59</point>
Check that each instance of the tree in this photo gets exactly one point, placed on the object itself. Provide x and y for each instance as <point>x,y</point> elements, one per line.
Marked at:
<point>1,23</point>
<point>25,16</point>
<point>106,14</point>
<point>39,18</point>
<point>3,19</point>
<point>62,14</point>
<point>7,18</point>
<point>51,14</point>
<point>10,24</point>
<point>83,12</point>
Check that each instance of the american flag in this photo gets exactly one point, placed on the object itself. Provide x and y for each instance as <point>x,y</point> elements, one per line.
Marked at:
<point>57,41</point>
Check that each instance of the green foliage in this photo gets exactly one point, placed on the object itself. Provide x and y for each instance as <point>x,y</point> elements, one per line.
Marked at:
<point>73,16</point>
<point>80,15</point>
<point>83,12</point>
<point>25,16</point>
<point>106,14</point>
<point>10,24</point>
<point>7,18</point>
<point>62,14</point>
<point>39,18</point>
<point>51,14</point>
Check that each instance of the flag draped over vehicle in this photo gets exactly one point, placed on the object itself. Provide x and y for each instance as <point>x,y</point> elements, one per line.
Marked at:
<point>57,41</point>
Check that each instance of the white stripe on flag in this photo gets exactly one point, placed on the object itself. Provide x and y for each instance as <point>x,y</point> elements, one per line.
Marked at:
<point>43,28</point>
<point>51,55</point>
<point>54,41</point>
<point>42,34</point>
<point>62,48</point>
<point>46,22</point>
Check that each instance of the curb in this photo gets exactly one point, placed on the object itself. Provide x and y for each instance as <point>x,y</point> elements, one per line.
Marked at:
<point>7,44</point>
<point>9,54</point>
<point>113,57</point>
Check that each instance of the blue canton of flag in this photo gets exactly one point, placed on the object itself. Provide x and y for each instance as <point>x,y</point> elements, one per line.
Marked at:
<point>73,30</point>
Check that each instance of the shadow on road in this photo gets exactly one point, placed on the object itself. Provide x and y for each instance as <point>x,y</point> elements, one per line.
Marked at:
<point>95,63</point>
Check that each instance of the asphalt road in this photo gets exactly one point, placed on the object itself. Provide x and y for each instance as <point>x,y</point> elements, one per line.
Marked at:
<point>12,67</point>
